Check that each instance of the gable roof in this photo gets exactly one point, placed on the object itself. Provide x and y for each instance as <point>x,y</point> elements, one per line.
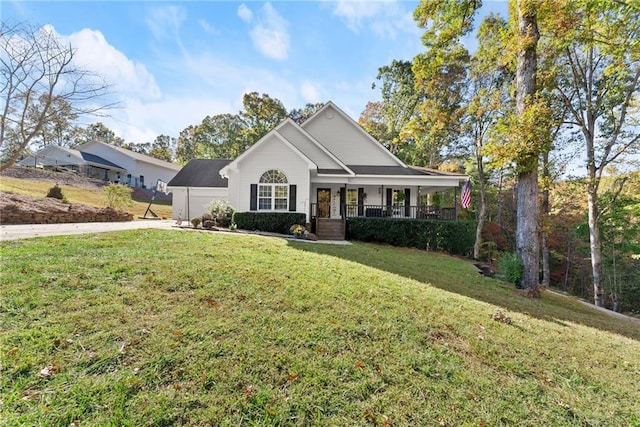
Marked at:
<point>310,147</point>
<point>201,173</point>
<point>327,112</point>
<point>272,134</point>
<point>310,142</point>
<point>136,156</point>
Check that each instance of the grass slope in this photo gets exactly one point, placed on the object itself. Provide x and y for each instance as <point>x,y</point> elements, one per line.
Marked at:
<point>81,195</point>
<point>167,328</point>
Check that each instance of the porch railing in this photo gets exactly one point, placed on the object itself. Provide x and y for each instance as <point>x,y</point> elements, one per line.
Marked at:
<point>401,211</point>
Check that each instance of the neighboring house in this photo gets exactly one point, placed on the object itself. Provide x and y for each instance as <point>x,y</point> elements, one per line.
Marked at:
<point>142,171</point>
<point>106,162</point>
<point>55,157</point>
<point>329,168</point>
<point>196,185</point>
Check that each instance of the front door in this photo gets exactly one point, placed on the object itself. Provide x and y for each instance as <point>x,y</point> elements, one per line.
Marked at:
<point>324,202</point>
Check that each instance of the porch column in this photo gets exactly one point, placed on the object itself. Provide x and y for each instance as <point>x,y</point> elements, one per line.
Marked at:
<point>455,203</point>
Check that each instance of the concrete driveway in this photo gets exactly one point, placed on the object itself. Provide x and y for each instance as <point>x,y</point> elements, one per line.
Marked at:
<point>26,231</point>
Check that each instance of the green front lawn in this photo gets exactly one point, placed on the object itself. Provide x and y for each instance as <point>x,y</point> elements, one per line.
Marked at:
<point>168,328</point>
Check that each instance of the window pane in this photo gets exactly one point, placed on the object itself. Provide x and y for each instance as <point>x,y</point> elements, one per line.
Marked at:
<point>264,191</point>
<point>264,204</point>
<point>281,204</point>
<point>352,196</point>
<point>282,191</point>
<point>273,177</point>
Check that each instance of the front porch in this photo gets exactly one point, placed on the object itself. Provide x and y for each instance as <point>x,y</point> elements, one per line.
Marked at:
<point>340,202</point>
<point>385,211</point>
<point>332,228</point>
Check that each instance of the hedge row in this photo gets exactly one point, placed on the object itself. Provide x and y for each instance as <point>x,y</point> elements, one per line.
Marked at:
<point>454,237</point>
<point>273,222</point>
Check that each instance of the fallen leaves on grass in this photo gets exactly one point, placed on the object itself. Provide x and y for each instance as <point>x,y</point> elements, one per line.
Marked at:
<point>249,390</point>
<point>499,316</point>
<point>49,371</point>
<point>213,303</point>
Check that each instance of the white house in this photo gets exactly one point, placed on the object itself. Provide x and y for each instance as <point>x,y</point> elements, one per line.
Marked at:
<point>53,156</point>
<point>142,171</point>
<point>107,162</point>
<point>329,168</point>
<point>196,185</point>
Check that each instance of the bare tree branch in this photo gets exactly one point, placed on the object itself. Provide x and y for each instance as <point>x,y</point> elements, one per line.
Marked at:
<point>39,73</point>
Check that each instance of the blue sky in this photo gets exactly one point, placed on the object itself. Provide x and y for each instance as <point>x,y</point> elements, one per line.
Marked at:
<point>172,63</point>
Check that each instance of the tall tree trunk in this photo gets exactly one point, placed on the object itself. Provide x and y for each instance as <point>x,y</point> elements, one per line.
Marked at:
<point>567,264</point>
<point>481,217</point>
<point>499,213</point>
<point>595,246</point>
<point>546,269</point>
<point>483,205</point>
<point>527,245</point>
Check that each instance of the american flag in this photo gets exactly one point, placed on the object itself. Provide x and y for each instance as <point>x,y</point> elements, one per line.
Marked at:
<point>465,197</point>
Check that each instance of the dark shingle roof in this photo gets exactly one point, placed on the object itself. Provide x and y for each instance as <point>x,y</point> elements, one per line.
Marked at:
<point>88,157</point>
<point>382,170</point>
<point>333,171</point>
<point>398,170</point>
<point>201,173</point>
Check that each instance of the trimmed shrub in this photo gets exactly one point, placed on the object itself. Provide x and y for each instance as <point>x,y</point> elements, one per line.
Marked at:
<point>221,212</point>
<point>196,221</point>
<point>118,196</point>
<point>55,192</point>
<point>454,237</point>
<point>273,222</point>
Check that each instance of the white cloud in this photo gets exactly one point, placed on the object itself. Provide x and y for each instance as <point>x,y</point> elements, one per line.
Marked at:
<point>207,27</point>
<point>270,35</point>
<point>141,121</point>
<point>385,18</point>
<point>354,12</point>
<point>310,92</point>
<point>245,13</point>
<point>164,22</point>
<point>94,53</point>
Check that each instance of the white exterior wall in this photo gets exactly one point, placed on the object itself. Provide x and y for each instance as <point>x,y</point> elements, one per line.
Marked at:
<point>233,189</point>
<point>133,166</point>
<point>54,155</point>
<point>152,173</point>
<point>272,154</point>
<point>308,147</point>
<point>187,205</point>
<point>346,141</point>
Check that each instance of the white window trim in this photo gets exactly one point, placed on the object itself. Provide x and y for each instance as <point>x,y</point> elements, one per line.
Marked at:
<point>273,186</point>
<point>272,198</point>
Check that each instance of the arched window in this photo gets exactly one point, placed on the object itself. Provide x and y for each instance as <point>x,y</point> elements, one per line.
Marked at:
<point>273,191</point>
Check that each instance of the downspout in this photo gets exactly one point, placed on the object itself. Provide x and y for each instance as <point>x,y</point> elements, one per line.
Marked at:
<point>188,203</point>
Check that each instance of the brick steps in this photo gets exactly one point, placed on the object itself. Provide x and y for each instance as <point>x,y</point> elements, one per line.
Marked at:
<point>330,229</point>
